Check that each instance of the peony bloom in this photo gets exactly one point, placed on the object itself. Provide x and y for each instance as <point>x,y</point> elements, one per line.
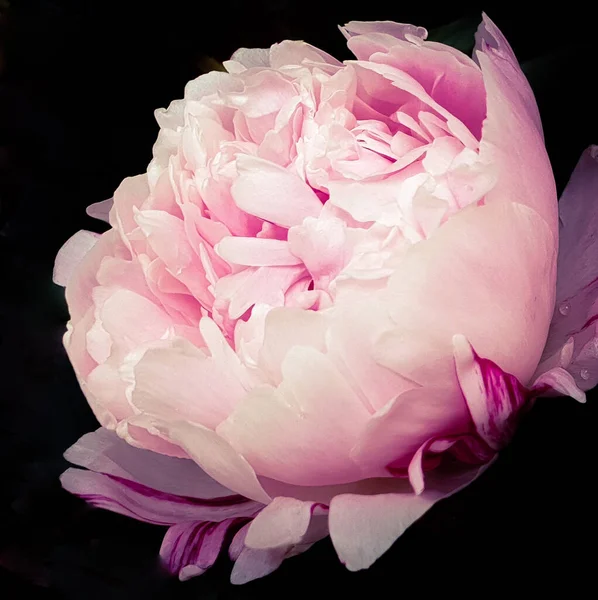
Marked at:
<point>329,300</point>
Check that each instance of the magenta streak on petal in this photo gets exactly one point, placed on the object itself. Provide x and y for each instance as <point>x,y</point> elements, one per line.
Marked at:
<point>189,549</point>
<point>147,504</point>
<point>232,500</point>
<point>496,400</point>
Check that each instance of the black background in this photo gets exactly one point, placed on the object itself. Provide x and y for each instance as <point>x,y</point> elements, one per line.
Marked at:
<point>79,81</point>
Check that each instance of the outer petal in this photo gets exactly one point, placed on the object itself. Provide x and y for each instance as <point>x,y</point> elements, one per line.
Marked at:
<point>190,549</point>
<point>147,504</point>
<point>284,522</point>
<point>71,254</point>
<point>512,136</point>
<point>397,430</point>
<point>288,528</point>
<point>575,318</point>
<point>363,528</point>
<point>290,433</point>
<point>103,451</point>
<point>496,260</point>
<point>100,210</point>
<point>214,455</point>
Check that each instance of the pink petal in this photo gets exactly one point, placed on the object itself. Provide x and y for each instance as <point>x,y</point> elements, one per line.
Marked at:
<point>414,89</point>
<point>100,210</point>
<point>215,456</point>
<point>248,58</point>
<point>266,285</point>
<point>256,252</point>
<point>270,192</point>
<point>511,136</point>
<point>284,522</point>
<point>130,195</point>
<point>289,434</point>
<point>252,564</point>
<point>147,504</point>
<point>398,31</point>
<point>181,379</point>
<point>496,400</point>
<point>288,528</point>
<point>289,53</point>
<point>501,264</point>
<point>321,244</point>
<point>363,528</point>
<point>399,429</point>
<point>104,452</point>
<point>71,254</point>
<point>559,381</point>
<point>285,328</point>
<point>577,277</point>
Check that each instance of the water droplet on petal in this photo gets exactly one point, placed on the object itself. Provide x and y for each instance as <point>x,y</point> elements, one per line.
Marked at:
<point>585,374</point>
<point>564,308</point>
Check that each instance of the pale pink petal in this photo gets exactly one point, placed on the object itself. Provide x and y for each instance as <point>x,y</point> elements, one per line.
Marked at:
<point>256,252</point>
<point>289,434</point>
<point>501,265</point>
<point>558,381</point>
<point>247,58</point>
<point>321,244</point>
<point>253,564</point>
<point>100,210</point>
<point>180,379</point>
<point>491,42</point>
<point>396,431</point>
<point>71,254</point>
<point>104,452</point>
<point>363,528</point>
<point>285,328</point>
<point>266,285</point>
<point>399,31</point>
<point>84,277</point>
<point>496,400</point>
<point>215,456</point>
<point>270,192</point>
<point>284,522</point>
<point>511,136</point>
<point>130,195</point>
<point>291,52</point>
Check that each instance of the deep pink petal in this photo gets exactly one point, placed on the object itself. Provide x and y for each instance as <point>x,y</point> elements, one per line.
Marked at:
<point>496,399</point>
<point>190,549</point>
<point>284,522</point>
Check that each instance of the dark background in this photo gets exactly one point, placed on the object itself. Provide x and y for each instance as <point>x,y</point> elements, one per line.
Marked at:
<point>79,81</point>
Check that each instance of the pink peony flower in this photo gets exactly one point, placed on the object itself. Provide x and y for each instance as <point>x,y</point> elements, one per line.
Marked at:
<point>334,291</point>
